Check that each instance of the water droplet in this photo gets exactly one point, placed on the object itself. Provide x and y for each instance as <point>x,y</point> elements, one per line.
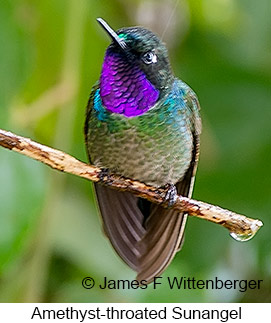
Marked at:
<point>247,236</point>
<point>241,237</point>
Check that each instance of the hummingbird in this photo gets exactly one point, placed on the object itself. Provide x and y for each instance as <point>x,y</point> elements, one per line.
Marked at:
<point>143,123</point>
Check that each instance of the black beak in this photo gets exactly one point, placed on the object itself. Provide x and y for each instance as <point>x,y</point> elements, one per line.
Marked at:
<point>112,33</point>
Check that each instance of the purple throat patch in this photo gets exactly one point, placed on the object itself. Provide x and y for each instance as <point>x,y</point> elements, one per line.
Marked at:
<point>124,88</point>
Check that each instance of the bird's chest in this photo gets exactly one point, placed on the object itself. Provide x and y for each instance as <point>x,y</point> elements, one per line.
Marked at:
<point>155,148</point>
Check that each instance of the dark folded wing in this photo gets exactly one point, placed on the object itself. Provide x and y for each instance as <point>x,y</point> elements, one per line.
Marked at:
<point>122,221</point>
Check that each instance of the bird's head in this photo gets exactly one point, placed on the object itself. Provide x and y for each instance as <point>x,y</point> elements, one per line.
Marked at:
<point>136,71</point>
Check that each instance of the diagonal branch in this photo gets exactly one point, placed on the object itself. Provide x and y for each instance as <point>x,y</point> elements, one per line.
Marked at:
<point>240,227</point>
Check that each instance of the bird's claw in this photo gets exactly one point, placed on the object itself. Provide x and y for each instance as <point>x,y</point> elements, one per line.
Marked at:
<point>104,174</point>
<point>170,195</point>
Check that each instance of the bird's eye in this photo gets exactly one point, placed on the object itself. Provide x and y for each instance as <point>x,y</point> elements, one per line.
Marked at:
<point>149,58</point>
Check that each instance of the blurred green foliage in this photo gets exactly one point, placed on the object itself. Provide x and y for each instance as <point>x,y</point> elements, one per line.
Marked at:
<point>50,232</point>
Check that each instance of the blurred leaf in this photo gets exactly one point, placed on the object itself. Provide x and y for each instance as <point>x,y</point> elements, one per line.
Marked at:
<point>22,192</point>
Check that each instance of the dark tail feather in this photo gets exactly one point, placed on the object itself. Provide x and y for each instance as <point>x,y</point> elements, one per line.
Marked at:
<point>122,223</point>
<point>146,243</point>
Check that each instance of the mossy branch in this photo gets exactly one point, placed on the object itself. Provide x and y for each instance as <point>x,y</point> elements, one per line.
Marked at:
<point>241,227</point>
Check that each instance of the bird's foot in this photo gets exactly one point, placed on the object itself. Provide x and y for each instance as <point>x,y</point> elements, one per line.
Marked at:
<point>104,175</point>
<point>170,195</point>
